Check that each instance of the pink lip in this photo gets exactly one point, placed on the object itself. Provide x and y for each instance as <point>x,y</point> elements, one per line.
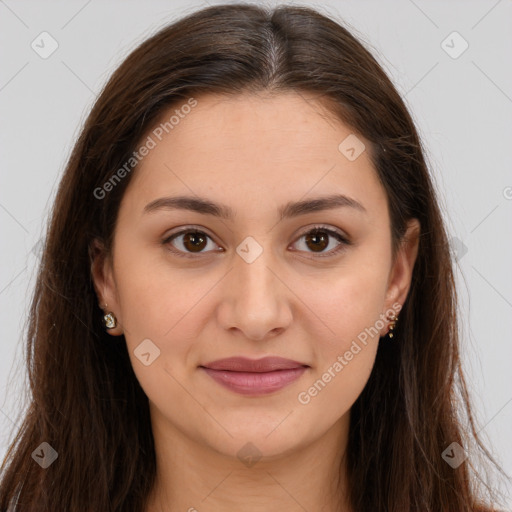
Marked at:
<point>254,376</point>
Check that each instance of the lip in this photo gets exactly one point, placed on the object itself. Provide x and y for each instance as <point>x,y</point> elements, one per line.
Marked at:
<point>244,364</point>
<point>254,376</point>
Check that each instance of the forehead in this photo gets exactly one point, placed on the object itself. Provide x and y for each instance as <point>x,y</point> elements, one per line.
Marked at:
<point>286,123</point>
<point>276,147</point>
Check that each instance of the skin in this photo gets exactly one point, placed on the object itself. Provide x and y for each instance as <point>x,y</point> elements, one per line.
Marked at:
<point>253,153</point>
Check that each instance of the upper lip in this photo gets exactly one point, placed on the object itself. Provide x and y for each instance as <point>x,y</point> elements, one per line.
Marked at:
<point>244,364</point>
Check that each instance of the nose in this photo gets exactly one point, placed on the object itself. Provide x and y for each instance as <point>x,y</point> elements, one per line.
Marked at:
<point>255,300</point>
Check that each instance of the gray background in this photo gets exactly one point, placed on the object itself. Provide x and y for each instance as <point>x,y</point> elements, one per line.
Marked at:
<point>462,107</point>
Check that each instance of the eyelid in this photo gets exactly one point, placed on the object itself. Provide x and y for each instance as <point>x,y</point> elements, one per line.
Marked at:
<point>331,231</point>
<point>325,227</point>
<point>186,229</point>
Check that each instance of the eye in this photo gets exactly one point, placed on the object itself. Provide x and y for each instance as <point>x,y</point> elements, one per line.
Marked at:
<point>188,242</point>
<point>320,238</point>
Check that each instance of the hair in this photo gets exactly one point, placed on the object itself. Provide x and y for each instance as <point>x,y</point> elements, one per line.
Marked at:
<point>86,401</point>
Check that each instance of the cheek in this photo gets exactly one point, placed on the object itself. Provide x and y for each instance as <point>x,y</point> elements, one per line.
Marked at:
<point>159,318</point>
<point>345,359</point>
<point>158,306</point>
<point>350,309</point>
<point>154,297</point>
<point>347,301</point>
<point>335,386</point>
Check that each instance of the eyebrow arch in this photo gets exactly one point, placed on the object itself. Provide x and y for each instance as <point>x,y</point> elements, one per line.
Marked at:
<point>289,210</point>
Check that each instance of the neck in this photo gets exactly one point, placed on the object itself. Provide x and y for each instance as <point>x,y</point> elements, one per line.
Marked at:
<point>193,477</point>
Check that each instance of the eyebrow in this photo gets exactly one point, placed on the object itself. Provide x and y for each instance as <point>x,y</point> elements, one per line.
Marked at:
<point>289,210</point>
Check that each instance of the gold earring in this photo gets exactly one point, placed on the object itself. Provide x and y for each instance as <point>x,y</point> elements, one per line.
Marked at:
<point>392,324</point>
<point>109,319</point>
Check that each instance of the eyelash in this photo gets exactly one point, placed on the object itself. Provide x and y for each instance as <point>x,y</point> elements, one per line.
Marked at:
<point>333,252</point>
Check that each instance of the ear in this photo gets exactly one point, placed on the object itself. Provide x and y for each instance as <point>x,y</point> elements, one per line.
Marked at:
<point>400,275</point>
<point>104,283</point>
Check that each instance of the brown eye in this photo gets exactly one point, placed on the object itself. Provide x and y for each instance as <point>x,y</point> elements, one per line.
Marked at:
<point>319,239</point>
<point>189,242</point>
<point>194,241</point>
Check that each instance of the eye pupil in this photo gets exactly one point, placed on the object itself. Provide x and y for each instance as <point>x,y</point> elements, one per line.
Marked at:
<point>196,239</point>
<point>194,242</point>
<point>316,237</point>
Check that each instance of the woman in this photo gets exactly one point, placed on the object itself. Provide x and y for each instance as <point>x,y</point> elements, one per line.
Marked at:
<point>246,298</point>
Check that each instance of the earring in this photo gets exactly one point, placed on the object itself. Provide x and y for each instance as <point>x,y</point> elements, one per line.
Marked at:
<point>392,324</point>
<point>109,319</point>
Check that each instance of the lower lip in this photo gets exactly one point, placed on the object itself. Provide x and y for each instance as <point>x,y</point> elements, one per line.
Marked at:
<point>252,383</point>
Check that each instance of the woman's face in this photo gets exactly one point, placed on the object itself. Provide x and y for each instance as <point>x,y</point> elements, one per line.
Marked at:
<point>249,278</point>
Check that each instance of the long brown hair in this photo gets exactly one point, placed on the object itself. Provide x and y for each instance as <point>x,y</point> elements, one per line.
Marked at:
<point>86,402</point>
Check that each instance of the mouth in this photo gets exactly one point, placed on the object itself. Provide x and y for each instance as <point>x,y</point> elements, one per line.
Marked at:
<point>254,376</point>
